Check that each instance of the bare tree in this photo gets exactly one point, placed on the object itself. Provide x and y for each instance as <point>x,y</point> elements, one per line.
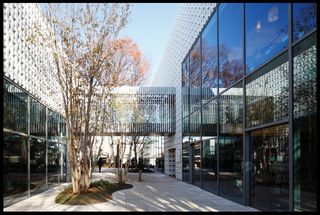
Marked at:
<point>128,66</point>
<point>81,38</point>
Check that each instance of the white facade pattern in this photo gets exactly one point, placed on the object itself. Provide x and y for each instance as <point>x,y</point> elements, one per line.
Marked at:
<point>29,65</point>
<point>190,20</point>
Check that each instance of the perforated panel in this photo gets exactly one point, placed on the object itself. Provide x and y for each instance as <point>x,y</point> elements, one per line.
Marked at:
<point>29,65</point>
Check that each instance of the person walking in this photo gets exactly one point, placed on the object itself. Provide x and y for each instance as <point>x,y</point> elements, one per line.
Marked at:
<point>140,167</point>
<point>100,162</point>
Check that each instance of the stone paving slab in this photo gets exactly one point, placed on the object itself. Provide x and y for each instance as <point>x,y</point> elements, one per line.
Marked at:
<point>157,192</point>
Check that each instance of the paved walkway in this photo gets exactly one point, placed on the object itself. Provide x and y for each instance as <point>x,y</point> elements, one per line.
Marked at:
<point>157,192</point>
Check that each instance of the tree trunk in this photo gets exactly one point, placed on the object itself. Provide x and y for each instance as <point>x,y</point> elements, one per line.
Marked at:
<point>85,174</point>
<point>75,176</point>
<point>135,156</point>
<point>126,167</point>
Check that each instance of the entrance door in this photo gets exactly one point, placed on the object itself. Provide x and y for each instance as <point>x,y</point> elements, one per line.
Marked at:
<point>195,163</point>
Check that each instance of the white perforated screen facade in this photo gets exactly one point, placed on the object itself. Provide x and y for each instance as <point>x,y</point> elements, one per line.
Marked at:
<point>29,65</point>
<point>191,19</point>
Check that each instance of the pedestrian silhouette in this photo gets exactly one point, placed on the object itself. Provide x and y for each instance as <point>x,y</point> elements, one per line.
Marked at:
<point>100,162</point>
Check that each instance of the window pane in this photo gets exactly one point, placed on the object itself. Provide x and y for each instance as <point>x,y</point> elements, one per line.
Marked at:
<point>209,119</point>
<point>270,161</point>
<point>305,124</point>
<point>15,108</point>
<point>63,162</point>
<point>185,87</point>
<point>37,165</point>
<point>209,61</point>
<point>230,44</point>
<point>37,118</point>
<point>267,93</point>
<point>209,165</point>
<point>304,19</point>
<point>266,32</point>
<point>185,150</point>
<point>53,124</point>
<point>195,156</point>
<point>185,159</point>
<point>196,163</point>
<point>195,126</point>
<point>195,77</point>
<point>230,144</point>
<point>209,146</point>
<point>63,126</point>
<point>53,163</point>
<point>15,168</point>
<point>185,72</point>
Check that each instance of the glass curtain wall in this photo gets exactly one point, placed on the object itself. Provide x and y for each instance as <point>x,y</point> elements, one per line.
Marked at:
<point>37,165</point>
<point>195,77</point>
<point>304,19</point>
<point>15,168</point>
<point>230,144</point>
<point>270,176</point>
<point>195,156</point>
<point>209,173</point>
<point>185,88</point>
<point>305,124</point>
<point>185,150</point>
<point>209,61</point>
<point>15,108</point>
<point>26,146</point>
<point>266,32</point>
<point>267,93</point>
<point>230,44</point>
<point>258,103</point>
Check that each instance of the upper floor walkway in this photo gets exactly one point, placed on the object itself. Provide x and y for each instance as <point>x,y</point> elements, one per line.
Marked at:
<point>143,111</point>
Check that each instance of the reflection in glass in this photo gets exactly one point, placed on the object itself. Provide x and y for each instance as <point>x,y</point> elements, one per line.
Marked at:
<point>195,126</point>
<point>15,168</point>
<point>37,165</point>
<point>37,118</point>
<point>185,159</point>
<point>15,177</point>
<point>231,144</point>
<point>63,162</point>
<point>209,119</point>
<point>185,87</point>
<point>197,163</point>
<point>209,165</point>
<point>63,126</point>
<point>209,61</point>
<point>304,19</point>
<point>195,77</point>
<point>231,106</point>
<point>266,32</point>
<point>15,108</point>
<point>230,44</point>
<point>305,124</point>
<point>53,162</point>
<point>270,176</point>
<point>209,146</point>
<point>185,150</point>
<point>53,124</point>
<point>267,93</point>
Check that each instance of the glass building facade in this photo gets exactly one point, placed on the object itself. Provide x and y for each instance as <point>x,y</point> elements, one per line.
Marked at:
<point>34,149</point>
<point>249,106</point>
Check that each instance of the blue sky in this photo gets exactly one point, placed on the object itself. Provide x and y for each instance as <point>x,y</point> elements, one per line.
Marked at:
<point>150,26</point>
